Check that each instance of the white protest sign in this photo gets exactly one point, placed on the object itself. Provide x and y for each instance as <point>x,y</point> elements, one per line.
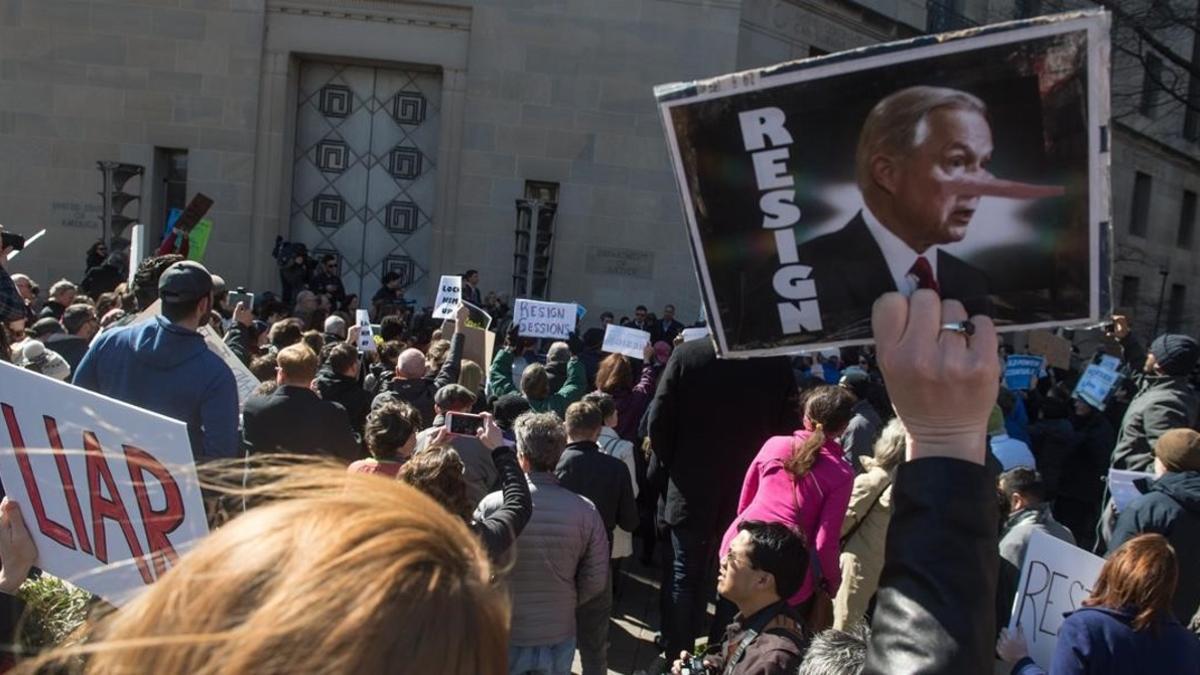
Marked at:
<point>366,335</point>
<point>544,319</point>
<point>628,341</point>
<point>1121,487</point>
<point>1055,578</point>
<point>246,381</point>
<point>690,334</point>
<point>108,491</point>
<point>1095,385</point>
<point>448,296</point>
<point>137,250</point>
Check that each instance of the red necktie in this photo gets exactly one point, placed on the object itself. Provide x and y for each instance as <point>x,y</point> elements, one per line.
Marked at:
<point>923,271</point>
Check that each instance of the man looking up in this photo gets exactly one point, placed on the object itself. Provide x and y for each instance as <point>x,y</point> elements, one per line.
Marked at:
<point>163,364</point>
<point>765,565</point>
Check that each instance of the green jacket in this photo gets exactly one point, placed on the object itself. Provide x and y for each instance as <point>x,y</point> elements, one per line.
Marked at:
<point>500,382</point>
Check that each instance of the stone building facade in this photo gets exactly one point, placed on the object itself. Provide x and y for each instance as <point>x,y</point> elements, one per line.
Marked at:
<point>398,135</point>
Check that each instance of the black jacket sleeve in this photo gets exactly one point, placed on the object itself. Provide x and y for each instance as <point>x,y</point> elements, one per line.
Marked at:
<point>499,530</point>
<point>934,611</point>
<point>450,368</point>
<point>664,415</point>
<point>627,510</point>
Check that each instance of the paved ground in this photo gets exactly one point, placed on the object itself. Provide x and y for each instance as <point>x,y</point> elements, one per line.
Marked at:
<point>635,621</point>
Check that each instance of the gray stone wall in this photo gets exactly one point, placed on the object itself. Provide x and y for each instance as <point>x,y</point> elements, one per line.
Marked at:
<point>89,80</point>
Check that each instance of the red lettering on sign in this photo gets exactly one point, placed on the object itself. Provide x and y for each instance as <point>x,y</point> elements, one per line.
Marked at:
<point>158,524</point>
<point>68,483</point>
<point>112,508</point>
<point>47,525</point>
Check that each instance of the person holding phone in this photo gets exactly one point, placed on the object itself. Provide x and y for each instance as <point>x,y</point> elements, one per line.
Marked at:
<point>453,404</point>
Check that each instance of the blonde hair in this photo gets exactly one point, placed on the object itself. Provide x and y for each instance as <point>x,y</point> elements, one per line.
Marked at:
<point>889,448</point>
<point>898,123</point>
<point>297,362</point>
<point>341,573</point>
<point>470,375</point>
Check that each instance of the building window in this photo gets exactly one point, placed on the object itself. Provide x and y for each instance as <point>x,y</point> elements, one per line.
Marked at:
<point>171,165</point>
<point>1139,219</point>
<point>533,248</point>
<point>1175,307</point>
<point>1024,9</point>
<point>1187,220</point>
<point>1130,286</point>
<point>1151,85</point>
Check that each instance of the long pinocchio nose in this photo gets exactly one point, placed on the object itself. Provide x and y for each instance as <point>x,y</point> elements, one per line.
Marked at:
<point>988,185</point>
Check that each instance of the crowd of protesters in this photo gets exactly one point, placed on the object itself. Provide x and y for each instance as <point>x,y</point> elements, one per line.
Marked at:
<point>849,511</point>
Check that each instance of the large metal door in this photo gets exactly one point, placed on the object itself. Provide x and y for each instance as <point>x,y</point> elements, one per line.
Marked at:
<point>364,174</point>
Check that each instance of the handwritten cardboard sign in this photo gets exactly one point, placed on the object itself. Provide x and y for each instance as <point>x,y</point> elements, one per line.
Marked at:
<point>628,341</point>
<point>1021,371</point>
<point>1057,350</point>
<point>1096,385</point>
<point>109,491</point>
<point>544,319</point>
<point>1055,578</point>
<point>449,294</point>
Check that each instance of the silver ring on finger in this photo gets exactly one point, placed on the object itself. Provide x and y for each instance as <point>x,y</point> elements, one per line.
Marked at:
<point>965,328</point>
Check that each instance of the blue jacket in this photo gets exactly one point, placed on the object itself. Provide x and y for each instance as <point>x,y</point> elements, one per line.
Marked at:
<point>166,368</point>
<point>1101,641</point>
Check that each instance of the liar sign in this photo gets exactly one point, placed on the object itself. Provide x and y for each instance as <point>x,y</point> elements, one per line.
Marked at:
<point>109,491</point>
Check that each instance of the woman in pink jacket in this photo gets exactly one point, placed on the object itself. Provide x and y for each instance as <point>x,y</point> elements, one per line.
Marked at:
<point>802,481</point>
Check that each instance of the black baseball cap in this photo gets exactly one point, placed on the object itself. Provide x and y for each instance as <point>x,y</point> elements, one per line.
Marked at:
<point>185,281</point>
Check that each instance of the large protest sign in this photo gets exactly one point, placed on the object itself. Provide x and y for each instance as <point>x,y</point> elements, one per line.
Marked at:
<point>1021,371</point>
<point>109,491</point>
<point>246,381</point>
<point>1095,386</point>
<point>622,340</point>
<point>1057,350</point>
<point>544,319</point>
<point>1055,578</point>
<point>449,294</point>
<point>796,227</point>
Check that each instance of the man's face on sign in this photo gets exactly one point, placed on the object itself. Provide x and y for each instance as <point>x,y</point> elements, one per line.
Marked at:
<point>928,209</point>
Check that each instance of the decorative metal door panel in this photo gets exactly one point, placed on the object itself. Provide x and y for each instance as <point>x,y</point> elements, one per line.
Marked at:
<point>364,174</point>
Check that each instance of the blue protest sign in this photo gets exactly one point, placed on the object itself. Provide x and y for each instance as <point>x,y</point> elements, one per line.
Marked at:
<point>1096,385</point>
<point>1021,371</point>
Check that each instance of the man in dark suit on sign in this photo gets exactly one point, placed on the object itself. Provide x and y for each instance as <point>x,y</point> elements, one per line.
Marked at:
<point>921,166</point>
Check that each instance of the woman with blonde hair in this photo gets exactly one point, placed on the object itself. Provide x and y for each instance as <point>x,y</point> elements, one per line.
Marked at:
<point>1125,625</point>
<point>470,375</point>
<point>864,531</point>
<point>340,573</point>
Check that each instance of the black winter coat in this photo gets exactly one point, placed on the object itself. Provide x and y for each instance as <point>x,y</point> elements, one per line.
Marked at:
<point>419,393</point>
<point>347,392</point>
<point>604,480</point>
<point>708,420</point>
<point>934,609</point>
<point>1170,507</point>
<point>294,420</point>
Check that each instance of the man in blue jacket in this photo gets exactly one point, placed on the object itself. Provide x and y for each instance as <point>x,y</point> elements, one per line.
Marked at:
<point>163,365</point>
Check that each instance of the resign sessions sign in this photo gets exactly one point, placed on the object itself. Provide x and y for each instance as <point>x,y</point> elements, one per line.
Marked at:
<point>109,491</point>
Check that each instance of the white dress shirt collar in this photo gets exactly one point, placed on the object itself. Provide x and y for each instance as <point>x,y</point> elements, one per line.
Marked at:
<point>899,256</point>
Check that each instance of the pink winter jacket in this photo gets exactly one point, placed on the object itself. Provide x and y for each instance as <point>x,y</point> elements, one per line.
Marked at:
<point>770,494</point>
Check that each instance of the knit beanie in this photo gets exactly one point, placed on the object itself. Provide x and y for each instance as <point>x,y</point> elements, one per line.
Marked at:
<point>1179,450</point>
<point>1175,354</point>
